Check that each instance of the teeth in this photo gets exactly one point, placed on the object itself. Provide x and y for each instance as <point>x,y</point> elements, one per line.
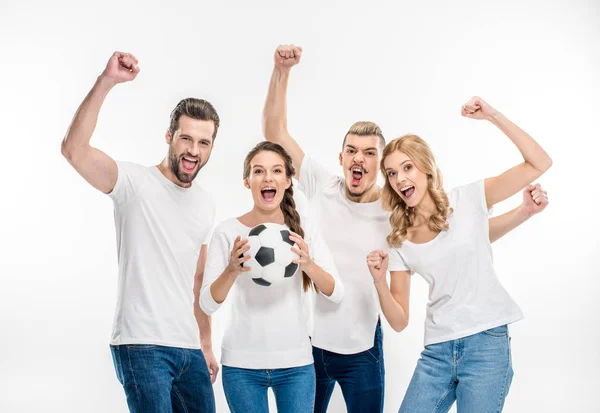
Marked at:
<point>190,160</point>
<point>356,170</point>
<point>404,188</point>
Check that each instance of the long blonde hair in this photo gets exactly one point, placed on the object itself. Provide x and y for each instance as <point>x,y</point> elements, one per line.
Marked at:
<point>402,217</point>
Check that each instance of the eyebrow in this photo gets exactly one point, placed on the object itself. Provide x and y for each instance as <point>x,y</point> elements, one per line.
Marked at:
<point>366,149</point>
<point>260,166</point>
<point>408,160</point>
<point>184,135</point>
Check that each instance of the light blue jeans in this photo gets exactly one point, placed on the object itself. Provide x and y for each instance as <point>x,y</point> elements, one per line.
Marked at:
<point>246,389</point>
<point>475,371</point>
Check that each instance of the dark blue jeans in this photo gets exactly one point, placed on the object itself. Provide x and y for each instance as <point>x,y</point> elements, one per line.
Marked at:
<point>361,377</point>
<point>160,379</point>
<point>246,389</point>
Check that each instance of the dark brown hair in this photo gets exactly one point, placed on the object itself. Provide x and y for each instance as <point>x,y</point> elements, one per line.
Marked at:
<point>196,109</point>
<point>288,205</point>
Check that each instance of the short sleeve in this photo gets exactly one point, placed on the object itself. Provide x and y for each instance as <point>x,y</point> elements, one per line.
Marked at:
<point>396,262</point>
<point>313,177</point>
<point>471,197</point>
<point>321,255</point>
<point>217,261</point>
<point>131,178</point>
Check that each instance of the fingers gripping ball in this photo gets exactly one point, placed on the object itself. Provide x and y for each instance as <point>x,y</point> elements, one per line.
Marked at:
<point>271,255</point>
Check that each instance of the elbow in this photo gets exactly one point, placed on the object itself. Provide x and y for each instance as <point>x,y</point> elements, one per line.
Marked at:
<point>547,164</point>
<point>66,150</point>
<point>543,165</point>
<point>400,324</point>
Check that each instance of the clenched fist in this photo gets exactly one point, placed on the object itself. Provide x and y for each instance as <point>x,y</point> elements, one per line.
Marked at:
<point>535,199</point>
<point>377,261</point>
<point>121,67</point>
<point>287,56</point>
<point>477,108</point>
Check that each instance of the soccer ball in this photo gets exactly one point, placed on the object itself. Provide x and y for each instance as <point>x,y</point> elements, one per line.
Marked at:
<point>270,249</point>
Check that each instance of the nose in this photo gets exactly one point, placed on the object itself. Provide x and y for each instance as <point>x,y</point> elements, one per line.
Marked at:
<point>194,149</point>
<point>268,177</point>
<point>358,157</point>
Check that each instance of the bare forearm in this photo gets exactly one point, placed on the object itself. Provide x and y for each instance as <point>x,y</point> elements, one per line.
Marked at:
<point>531,151</point>
<point>503,224</point>
<point>394,313</point>
<point>322,279</point>
<point>275,110</point>
<point>220,288</point>
<point>82,127</point>
<point>205,327</point>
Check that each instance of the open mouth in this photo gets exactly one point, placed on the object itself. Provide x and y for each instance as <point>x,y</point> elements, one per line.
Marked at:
<point>189,164</point>
<point>268,193</point>
<point>407,191</point>
<point>357,175</point>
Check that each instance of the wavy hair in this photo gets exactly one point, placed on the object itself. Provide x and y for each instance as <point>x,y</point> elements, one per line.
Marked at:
<point>402,217</point>
<point>288,204</point>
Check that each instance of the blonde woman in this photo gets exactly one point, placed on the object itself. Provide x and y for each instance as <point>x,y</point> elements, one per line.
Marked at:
<point>445,238</point>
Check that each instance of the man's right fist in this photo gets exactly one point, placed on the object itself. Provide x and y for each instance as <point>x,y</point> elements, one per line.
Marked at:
<point>122,67</point>
<point>287,56</point>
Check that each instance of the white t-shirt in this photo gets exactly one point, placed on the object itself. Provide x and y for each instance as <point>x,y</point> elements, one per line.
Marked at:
<point>465,295</point>
<point>352,230</point>
<point>267,328</point>
<point>160,229</point>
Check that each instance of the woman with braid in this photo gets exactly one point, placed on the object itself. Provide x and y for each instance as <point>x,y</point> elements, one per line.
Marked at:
<point>266,343</point>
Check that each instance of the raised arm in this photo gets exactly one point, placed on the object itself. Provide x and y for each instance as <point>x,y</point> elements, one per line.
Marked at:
<point>536,160</point>
<point>274,120</point>
<point>96,167</point>
<point>393,299</point>
<point>535,200</point>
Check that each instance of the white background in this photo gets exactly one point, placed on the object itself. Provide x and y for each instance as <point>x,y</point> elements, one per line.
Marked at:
<point>405,65</point>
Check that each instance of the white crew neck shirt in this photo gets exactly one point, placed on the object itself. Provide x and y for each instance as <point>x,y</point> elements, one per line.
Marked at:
<point>352,230</point>
<point>465,295</point>
<point>160,229</point>
<point>267,328</point>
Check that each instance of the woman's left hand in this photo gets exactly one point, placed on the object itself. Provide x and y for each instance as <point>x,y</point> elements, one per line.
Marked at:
<point>304,260</point>
<point>477,108</point>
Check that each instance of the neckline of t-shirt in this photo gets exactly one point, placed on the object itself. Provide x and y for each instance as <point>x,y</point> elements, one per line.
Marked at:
<point>364,205</point>
<point>419,244</point>
<point>247,227</point>
<point>167,181</point>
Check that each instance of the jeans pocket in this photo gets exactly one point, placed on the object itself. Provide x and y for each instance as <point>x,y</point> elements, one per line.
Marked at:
<point>140,346</point>
<point>500,331</point>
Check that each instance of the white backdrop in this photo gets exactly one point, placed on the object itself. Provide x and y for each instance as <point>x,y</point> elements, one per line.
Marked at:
<point>405,65</point>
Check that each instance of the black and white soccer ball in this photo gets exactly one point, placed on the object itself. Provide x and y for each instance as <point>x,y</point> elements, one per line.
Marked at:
<point>270,249</point>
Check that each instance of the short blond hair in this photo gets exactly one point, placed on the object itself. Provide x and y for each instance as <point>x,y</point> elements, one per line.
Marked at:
<point>365,128</point>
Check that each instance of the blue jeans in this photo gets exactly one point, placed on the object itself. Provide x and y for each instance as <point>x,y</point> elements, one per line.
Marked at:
<point>159,379</point>
<point>475,371</point>
<point>361,377</point>
<point>246,389</point>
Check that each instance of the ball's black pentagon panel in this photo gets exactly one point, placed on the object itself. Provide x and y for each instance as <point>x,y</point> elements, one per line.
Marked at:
<point>285,236</point>
<point>265,256</point>
<point>262,282</point>
<point>257,230</point>
<point>290,270</point>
